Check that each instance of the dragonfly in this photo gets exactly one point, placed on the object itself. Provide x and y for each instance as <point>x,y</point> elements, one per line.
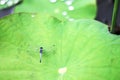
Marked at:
<point>41,52</point>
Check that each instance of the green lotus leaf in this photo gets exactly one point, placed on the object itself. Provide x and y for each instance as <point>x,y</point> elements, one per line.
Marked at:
<point>82,8</point>
<point>75,50</point>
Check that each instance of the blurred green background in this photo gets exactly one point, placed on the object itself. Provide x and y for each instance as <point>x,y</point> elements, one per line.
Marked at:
<point>62,9</point>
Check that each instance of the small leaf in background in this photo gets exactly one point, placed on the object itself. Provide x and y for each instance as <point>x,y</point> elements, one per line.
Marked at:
<point>73,9</point>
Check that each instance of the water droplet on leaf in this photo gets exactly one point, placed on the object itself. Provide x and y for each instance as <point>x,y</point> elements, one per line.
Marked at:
<point>53,1</point>
<point>71,19</point>
<point>16,1</point>
<point>64,13</point>
<point>71,8</point>
<point>2,2</point>
<point>57,11</point>
<point>33,15</point>
<point>69,2</point>
<point>62,70</point>
<point>9,3</point>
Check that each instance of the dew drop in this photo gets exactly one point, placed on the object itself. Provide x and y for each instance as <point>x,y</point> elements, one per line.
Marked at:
<point>69,2</point>
<point>64,13</point>
<point>53,1</point>
<point>62,70</point>
<point>32,15</point>
<point>2,2</point>
<point>71,8</point>
<point>9,3</point>
<point>16,1</point>
<point>56,10</point>
<point>71,19</point>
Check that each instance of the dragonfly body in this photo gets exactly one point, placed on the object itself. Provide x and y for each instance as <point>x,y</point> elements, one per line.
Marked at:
<point>41,51</point>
